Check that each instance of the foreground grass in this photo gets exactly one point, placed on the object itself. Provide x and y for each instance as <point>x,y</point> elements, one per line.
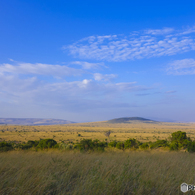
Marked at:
<point>55,172</point>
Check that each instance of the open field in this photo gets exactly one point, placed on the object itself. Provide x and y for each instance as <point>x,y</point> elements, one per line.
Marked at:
<point>114,171</point>
<point>54,172</point>
<point>141,131</point>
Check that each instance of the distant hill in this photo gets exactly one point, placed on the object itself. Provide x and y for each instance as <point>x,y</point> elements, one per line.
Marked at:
<point>33,121</point>
<point>130,120</point>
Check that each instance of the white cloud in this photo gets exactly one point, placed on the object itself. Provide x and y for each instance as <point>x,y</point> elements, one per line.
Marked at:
<point>20,86</point>
<point>87,65</point>
<point>33,91</point>
<point>188,31</point>
<point>159,31</point>
<point>106,77</point>
<point>182,67</point>
<point>143,44</point>
<point>39,69</point>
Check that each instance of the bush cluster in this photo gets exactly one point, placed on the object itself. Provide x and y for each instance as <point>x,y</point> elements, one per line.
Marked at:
<point>178,141</point>
<point>88,144</point>
<point>4,146</point>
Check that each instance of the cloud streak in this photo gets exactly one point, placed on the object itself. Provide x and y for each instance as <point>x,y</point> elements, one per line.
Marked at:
<point>17,89</point>
<point>87,65</point>
<point>106,77</point>
<point>39,69</point>
<point>182,67</point>
<point>143,44</point>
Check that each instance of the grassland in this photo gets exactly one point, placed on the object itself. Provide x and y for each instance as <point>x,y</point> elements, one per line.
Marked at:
<point>55,172</point>
<point>114,171</point>
<point>141,131</point>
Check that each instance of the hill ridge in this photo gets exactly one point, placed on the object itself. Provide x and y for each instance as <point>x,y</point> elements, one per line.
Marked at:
<point>33,121</point>
<point>129,120</point>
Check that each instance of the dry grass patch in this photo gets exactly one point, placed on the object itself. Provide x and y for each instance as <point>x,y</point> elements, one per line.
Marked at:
<point>54,172</point>
<point>141,131</point>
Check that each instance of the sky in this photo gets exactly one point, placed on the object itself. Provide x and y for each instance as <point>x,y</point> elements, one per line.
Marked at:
<point>87,61</point>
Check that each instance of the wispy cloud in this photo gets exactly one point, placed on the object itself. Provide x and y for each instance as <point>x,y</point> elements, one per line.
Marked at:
<point>159,31</point>
<point>57,71</point>
<point>39,69</point>
<point>188,30</point>
<point>138,45</point>
<point>17,89</point>
<point>87,65</point>
<point>105,77</point>
<point>182,67</point>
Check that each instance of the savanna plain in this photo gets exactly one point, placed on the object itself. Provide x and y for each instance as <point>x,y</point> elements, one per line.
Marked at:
<point>109,171</point>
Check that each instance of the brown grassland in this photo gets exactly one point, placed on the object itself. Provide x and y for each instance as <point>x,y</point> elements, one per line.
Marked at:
<point>95,130</point>
<point>111,172</point>
<point>130,172</point>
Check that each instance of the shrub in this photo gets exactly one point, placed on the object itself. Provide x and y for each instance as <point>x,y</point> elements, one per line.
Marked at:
<point>33,143</point>
<point>22,146</point>
<point>4,146</point>
<point>191,146</point>
<point>85,144</point>
<point>97,145</point>
<point>112,144</point>
<point>178,136</point>
<point>144,146</point>
<point>174,145</point>
<point>120,145</point>
<point>159,143</point>
<point>88,144</point>
<point>182,140</point>
<point>46,143</point>
<point>131,143</point>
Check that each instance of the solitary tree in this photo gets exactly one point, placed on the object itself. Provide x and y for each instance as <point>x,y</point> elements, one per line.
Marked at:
<point>107,134</point>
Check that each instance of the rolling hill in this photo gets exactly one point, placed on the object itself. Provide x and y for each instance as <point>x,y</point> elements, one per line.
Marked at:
<point>33,121</point>
<point>130,120</point>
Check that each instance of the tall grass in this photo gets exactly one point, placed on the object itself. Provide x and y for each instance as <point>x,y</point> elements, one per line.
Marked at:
<point>55,172</point>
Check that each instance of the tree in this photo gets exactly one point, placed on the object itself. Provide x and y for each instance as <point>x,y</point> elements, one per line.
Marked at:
<point>107,134</point>
<point>178,136</point>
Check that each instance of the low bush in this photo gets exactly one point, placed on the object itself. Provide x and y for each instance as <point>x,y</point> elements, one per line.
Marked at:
<point>33,143</point>
<point>158,144</point>
<point>46,143</point>
<point>179,140</point>
<point>88,144</point>
<point>4,146</point>
<point>174,145</point>
<point>144,145</point>
<point>120,145</point>
<point>112,144</point>
<point>131,143</point>
<point>191,146</point>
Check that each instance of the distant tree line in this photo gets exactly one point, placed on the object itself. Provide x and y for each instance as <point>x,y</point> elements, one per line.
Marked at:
<point>178,141</point>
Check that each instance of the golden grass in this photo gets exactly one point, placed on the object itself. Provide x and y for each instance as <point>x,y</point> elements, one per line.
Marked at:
<point>141,131</point>
<point>55,172</point>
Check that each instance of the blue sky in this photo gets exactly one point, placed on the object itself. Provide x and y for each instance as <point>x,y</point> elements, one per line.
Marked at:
<point>97,60</point>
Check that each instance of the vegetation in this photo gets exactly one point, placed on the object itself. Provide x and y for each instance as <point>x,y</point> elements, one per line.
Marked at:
<point>142,131</point>
<point>59,167</point>
<point>55,172</point>
<point>4,146</point>
<point>47,143</point>
<point>178,141</point>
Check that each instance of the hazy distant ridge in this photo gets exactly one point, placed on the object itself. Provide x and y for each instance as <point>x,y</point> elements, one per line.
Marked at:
<point>33,121</point>
<point>129,120</point>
